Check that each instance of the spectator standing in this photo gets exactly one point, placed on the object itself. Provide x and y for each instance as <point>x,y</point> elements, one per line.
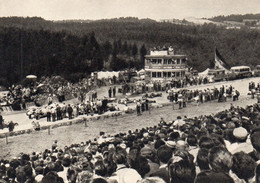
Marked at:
<point>70,111</point>
<point>49,99</point>
<point>1,121</point>
<point>114,91</point>
<point>138,108</point>
<point>53,114</point>
<point>110,92</point>
<point>48,114</point>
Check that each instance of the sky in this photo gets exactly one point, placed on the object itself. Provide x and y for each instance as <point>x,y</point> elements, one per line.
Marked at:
<point>102,9</point>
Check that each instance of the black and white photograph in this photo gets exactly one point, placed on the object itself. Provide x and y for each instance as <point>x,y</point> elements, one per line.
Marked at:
<point>129,91</point>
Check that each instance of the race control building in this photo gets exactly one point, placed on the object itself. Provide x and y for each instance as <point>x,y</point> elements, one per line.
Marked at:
<point>165,65</point>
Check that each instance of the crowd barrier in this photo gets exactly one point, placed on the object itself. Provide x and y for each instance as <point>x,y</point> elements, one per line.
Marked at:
<point>6,108</point>
<point>81,119</point>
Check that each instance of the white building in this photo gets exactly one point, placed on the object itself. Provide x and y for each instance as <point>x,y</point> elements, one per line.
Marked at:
<point>165,65</point>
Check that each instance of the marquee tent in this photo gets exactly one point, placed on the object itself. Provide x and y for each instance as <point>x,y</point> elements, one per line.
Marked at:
<point>107,74</point>
<point>204,73</point>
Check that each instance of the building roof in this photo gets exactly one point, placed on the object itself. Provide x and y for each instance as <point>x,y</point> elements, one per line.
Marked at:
<point>167,70</point>
<point>240,67</point>
<point>165,56</point>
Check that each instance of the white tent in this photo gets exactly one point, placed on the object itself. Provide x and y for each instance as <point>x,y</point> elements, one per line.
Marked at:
<point>142,71</point>
<point>107,74</point>
<point>204,73</point>
<point>31,77</point>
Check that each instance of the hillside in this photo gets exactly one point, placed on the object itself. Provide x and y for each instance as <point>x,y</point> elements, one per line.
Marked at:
<point>76,48</point>
<point>236,18</point>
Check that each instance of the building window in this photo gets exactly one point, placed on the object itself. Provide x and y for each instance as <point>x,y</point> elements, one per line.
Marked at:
<point>170,61</point>
<point>148,74</point>
<point>164,61</point>
<point>177,74</point>
<point>159,74</point>
<point>169,74</point>
<point>154,61</point>
<point>159,61</point>
<point>164,74</point>
<point>183,61</point>
<point>153,74</point>
<point>173,74</point>
<point>178,61</point>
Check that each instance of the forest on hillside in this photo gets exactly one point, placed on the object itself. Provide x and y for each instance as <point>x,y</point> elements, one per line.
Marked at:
<point>236,18</point>
<point>75,49</point>
<point>42,53</point>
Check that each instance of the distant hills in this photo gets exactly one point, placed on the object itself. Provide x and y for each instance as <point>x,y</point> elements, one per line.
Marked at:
<point>236,18</point>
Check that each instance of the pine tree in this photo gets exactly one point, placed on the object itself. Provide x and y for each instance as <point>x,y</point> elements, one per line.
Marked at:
<point>134,50</point>
<point>143,52</point>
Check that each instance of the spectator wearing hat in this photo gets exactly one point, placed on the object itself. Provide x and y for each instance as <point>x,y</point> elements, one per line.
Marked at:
<point>240,135</point>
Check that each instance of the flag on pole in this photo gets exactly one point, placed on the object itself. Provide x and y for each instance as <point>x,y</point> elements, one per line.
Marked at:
<point>220,63</point>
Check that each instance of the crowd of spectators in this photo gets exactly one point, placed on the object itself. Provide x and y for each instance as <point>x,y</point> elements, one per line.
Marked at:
<point>156,86</point>
<point>224,147</point>
<point>37,92</point>
<point>58,111</point>
<point>254,90</point>
<point>183,96</point>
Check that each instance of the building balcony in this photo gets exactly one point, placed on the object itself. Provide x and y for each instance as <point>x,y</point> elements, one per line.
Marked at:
<point>165,66</point>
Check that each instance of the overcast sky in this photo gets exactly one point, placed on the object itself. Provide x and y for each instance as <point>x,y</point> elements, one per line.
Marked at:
<point>99,9</point>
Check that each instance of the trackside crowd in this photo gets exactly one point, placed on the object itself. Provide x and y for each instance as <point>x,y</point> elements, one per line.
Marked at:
<point>223,148</point>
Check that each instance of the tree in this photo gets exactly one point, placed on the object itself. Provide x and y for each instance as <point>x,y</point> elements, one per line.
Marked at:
<point>143,52</point>
<point>117,64</point>
<point>134,50</point>
<point>125,48</point>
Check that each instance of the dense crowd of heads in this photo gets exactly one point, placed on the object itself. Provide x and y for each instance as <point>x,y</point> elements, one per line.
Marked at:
<point>224,147</point>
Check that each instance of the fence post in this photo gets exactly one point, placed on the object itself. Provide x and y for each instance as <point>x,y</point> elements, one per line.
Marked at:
<point>6,138</point>
<point>49,130</point>
<point>85,122</point>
